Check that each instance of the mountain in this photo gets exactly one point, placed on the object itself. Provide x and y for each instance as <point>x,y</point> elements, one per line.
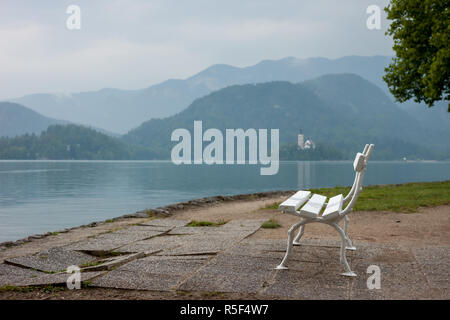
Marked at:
<point>121,110</point>
<point>341,110</point>
<point>16,119</point>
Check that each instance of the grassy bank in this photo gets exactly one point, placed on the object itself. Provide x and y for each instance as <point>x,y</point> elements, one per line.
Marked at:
<point>406,197</point>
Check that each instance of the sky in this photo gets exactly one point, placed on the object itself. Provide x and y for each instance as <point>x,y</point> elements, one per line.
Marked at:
<point>133,44</point>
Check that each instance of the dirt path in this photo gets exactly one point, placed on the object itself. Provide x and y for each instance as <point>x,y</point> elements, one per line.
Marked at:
<point>428,226</point>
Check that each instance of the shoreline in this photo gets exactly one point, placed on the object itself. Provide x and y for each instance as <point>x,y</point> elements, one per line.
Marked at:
<point>164,211</point>
<point>205,202</point>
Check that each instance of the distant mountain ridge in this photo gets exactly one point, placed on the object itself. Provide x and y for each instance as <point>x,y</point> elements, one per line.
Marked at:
<point>119,111</point>
<point>16,120</point>
<point>342,110</point>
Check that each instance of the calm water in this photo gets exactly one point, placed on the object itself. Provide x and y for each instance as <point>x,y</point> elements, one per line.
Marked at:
<point>41,196</point>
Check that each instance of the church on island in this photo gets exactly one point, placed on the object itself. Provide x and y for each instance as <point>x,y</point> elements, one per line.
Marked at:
<point>305,145</point>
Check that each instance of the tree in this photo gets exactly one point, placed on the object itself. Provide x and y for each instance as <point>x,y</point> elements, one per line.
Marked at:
<point>421,67</point>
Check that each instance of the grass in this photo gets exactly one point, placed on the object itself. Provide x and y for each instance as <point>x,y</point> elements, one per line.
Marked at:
<point>195,223</point>
<point>270,224</point>
<point>273,206</point>
<point>47,288</point>
<point>406,197</point>
<point>212,294</point>
<point>92,264</point>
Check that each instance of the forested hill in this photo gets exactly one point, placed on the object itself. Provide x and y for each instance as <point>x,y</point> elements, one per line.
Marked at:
<point>344,111</point>
<point>60,142</point>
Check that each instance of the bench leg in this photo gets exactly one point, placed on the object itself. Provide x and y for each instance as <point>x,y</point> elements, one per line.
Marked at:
<point>299,236</point>
<point>349,242</point>
<point>343,258</point>
<point>290,239</point>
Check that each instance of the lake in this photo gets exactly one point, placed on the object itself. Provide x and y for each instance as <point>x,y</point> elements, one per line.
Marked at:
<point>41,196</point>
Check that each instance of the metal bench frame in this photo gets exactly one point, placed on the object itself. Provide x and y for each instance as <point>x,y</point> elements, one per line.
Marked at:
<point>359,165</point>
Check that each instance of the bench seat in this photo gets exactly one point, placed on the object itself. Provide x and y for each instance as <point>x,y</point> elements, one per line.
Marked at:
<point>295,201</point>
<point>333,208</point>
<point>312,208</point>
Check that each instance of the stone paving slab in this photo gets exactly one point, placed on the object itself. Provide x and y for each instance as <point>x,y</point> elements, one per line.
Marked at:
<point>10,275</point>
<point>227,273</point>
<point>189,240</point>
<point>55,279</point>
<point>53,260</point>
<point>277,249</point>
<point>201,246</point>
<point>246,227</point>
<point>165,264</point>
<point>212,241</point>
<point>114,262</point>
<point>166,222</point>
<point>150,231</point>
<point>111,241</point>
<point>22,277</point>
<point>154,244</point>
<point>151,273</point>
<point>193,230</point>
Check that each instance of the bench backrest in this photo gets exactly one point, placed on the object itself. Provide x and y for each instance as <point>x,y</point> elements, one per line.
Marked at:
<point>359,165</point>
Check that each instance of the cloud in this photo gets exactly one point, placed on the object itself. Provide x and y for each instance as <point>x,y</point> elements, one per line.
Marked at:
<point>135,43</point>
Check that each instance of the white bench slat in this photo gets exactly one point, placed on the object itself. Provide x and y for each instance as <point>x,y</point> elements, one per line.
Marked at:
<point>333,208</point>
<point>312,208</point>
<point>295,201</point>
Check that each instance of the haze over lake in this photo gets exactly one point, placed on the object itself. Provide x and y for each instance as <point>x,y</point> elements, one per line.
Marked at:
<point>41,196</point>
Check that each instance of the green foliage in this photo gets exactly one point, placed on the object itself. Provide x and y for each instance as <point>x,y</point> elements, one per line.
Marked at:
<point>44,288</point>
<point>421,34</point>
<point>92,263</point>
<point>406,197</point>
<point>60,142</point>
<point>272,206</point>
<point>271,224</point>
<point>195,223</point>
<point>340,112</point>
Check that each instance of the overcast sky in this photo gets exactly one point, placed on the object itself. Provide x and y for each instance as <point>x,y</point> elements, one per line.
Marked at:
<point>132,44</point>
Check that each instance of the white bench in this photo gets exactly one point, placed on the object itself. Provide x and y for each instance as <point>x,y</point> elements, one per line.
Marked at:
<point>333,208</point>
<point>333,213</point>
<point>313,207</point>
<point>294,202</point>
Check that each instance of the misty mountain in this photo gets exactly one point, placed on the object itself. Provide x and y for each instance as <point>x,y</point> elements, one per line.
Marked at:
<point>16,119</point>
<point>342,110</point>
<point>121,110</point>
